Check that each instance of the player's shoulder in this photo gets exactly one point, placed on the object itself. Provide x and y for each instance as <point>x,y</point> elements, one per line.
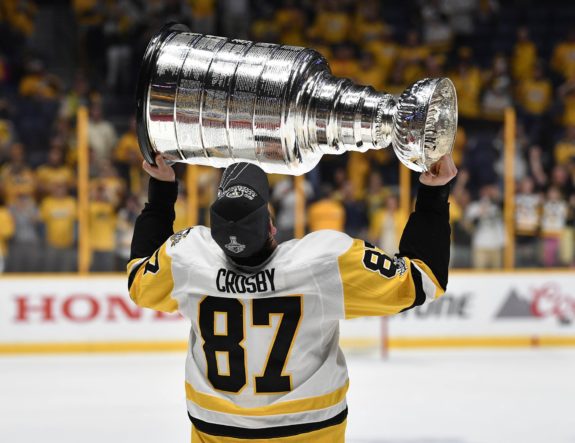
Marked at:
<point>316,245</point>
<point>191,243</point>
<point>195,234</point>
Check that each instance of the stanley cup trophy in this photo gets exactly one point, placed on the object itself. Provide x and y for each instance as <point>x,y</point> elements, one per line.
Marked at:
<point>215,101</point>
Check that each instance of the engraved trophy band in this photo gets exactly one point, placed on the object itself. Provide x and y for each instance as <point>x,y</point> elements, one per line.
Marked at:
<point>214,101</point>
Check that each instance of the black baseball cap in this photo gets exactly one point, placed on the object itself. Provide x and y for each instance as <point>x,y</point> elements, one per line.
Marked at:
<point>240,215</point>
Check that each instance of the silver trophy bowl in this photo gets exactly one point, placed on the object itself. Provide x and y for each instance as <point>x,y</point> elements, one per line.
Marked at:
<point>214,101</point>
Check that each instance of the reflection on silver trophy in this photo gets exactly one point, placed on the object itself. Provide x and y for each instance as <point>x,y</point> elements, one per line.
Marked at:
<point>213,101</point>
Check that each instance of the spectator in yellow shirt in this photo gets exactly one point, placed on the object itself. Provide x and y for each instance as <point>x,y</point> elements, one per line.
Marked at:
<point>563,58</point>
<point>6,232</point>
<point>58,212</point>
<point>467,80</point>
<point>129,158</point>
<point>20,15</point>
<point>536,93</point>
<point>384,49</point>
<point>102,223</point>
<point>411,57</point>
<point>326,213</point>
<point>107,176</point>
<point>524,55</point>
<point>54,171</point>
<point>37,83</point>
<point>291,22</point>
<point>332,23</point>
<point>16,177</point>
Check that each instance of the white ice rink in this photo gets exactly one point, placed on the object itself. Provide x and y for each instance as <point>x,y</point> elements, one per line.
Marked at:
<point>507,396</point>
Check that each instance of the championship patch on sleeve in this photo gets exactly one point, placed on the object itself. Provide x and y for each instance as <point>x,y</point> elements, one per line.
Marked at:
<point>400,265</point>
<point>179,236</point>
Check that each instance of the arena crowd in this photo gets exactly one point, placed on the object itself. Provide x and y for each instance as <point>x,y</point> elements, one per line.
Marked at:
<point>57,56</point>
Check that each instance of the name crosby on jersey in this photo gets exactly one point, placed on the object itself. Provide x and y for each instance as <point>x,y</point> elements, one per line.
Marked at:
<point>232,283</point>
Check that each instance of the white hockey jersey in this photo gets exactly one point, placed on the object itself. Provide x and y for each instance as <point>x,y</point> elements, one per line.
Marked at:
<point>263,355</point>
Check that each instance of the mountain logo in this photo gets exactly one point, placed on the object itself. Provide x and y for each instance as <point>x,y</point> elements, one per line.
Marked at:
<point>515,306</point>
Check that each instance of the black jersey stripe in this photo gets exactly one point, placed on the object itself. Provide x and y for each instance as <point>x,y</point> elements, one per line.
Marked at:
<point>274,432</point>
<point>134,271</point>
<point>419,292</point>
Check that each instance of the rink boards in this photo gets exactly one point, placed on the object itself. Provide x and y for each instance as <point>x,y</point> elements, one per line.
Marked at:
<point>94,313</point>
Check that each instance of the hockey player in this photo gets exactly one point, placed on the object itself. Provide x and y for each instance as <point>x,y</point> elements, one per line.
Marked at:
<point>263,359</point>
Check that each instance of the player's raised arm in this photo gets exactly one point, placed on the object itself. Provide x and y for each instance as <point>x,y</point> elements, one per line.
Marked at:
<point>426,236</point>
<point>150,278</point>
<point>155,224</point>
<point>376,284</point>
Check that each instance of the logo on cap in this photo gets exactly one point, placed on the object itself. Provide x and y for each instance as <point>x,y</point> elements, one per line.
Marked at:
<point>239,191</point>
<point>234,246</point>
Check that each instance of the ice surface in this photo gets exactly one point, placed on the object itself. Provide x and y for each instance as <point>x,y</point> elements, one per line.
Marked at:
<point>476,396</point>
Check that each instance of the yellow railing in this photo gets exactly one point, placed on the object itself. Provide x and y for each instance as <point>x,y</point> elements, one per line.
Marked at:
<point>509,184</point>
<point>83,191</point>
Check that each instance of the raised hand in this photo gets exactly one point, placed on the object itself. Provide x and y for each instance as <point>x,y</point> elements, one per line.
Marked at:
<point>440,173</point>
<point>162,171</point>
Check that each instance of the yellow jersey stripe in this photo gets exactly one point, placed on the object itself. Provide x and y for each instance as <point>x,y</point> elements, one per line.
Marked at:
<point>331,434</point>
<point>212,403</point>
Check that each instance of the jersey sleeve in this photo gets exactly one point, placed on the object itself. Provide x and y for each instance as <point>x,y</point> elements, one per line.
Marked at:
<point>151,282</point>
<point>150,277</point>
<point>375,284</point>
